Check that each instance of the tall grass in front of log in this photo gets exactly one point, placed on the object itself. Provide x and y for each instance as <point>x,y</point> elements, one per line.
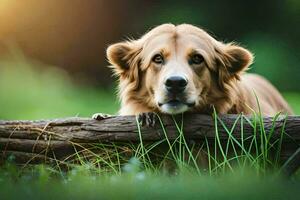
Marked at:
<point>254,152</point>
<point>258,152</point>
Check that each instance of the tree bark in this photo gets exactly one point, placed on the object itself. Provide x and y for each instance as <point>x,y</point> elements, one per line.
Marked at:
<point>47,140</point>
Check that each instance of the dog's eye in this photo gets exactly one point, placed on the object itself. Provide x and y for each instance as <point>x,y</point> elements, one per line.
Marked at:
<point>196,59</point>
<point>158,59</point>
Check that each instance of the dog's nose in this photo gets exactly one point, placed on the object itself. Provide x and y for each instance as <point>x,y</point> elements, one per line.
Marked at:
<point>176,84</point>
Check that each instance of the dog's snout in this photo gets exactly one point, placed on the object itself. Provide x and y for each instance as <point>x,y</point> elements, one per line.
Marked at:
<point>176,84</point>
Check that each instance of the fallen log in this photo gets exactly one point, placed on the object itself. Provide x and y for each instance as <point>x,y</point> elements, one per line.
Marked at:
<point>56,139</point>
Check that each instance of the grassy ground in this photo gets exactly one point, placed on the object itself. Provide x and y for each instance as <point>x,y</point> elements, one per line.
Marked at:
<point>28,92</point>
<point>79,184</point>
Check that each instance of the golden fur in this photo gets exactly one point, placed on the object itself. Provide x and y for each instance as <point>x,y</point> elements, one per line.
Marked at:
<point>218,81</point>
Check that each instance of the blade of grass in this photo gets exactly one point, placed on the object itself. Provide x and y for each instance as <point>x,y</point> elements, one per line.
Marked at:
<point>218,139</point>
<point>186,146</point>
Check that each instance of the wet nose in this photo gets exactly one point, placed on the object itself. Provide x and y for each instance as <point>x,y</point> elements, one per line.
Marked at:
<point>176,84</point>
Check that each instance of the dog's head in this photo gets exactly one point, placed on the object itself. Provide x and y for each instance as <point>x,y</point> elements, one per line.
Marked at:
<point>173,69</point>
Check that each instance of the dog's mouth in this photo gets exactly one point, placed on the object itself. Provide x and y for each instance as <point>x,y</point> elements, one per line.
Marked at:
<point>175,106</point>
<point>176,102</point>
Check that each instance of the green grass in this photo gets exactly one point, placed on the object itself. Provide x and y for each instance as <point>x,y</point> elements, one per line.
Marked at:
<point>80,184</point>
<point>259,152</point>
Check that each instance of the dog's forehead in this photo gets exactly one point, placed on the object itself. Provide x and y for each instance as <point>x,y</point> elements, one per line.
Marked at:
<point>189,42</point>
<point>179,42</point>
<point>160,42</point>
<point>160,39</point>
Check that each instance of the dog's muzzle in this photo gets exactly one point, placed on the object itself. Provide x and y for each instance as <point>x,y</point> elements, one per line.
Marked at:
<point>176,100</point>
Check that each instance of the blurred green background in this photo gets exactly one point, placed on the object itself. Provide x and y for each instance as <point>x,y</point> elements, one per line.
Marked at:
<point>52,52</point>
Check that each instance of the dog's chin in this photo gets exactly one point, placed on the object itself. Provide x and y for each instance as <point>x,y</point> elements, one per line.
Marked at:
<point>174,107</point>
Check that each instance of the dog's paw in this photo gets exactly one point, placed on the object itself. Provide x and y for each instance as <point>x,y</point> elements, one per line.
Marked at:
<point>100,116</point>
<point>148,119</point>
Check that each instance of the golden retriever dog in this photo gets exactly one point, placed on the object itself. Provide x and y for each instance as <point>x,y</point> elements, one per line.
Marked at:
<point>175,69</point>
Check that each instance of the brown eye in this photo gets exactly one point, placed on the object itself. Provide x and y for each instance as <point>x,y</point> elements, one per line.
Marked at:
<point>196,59</point>
<point>158,59</point>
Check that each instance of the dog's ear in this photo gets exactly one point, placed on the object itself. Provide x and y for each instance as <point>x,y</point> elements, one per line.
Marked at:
<point>231,60</point>
<point>122,56</point>
<point>236,59</point>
